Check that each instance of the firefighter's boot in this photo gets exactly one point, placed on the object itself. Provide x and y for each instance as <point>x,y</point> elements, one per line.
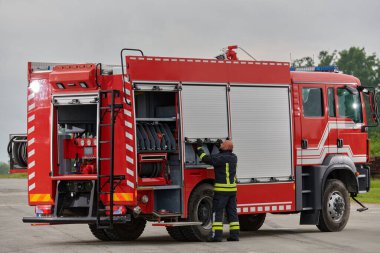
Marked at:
<point>234,231</point>
<point>217,231</point>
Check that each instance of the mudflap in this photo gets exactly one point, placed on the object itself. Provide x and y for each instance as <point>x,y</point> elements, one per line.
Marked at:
<point>310,217</point>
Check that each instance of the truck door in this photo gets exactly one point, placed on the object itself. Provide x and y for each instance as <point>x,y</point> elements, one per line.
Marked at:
<point>351,141</point>
<point>314,124</point>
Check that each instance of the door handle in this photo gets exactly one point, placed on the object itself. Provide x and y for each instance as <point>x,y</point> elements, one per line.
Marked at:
<point>339,143</point>
<point>304,144</point>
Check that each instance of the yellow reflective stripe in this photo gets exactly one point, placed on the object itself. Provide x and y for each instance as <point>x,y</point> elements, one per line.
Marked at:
<point>225,185</point>
<point>228,173</point>
<point>40,198</point>
<point>234,225</point>
<point>202,155</point>
<point>217,225</point>
<point>123,196</point>
<point>218,189</point>
<point>198,148</point>
<point>235,175</point>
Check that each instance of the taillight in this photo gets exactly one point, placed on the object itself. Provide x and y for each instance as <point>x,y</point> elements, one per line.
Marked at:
<point>43,209</point>
<point>117,210</point>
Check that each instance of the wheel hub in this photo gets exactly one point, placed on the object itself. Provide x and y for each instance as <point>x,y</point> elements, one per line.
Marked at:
<point>336,206</point>
<point>205,212</point>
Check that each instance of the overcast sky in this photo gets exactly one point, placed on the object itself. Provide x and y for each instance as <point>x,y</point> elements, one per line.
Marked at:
<point>95,31</point>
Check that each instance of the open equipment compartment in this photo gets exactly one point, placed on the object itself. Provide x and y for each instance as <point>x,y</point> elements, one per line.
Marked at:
<point>75,127</point>
<point>157,132</point>
<point>74,130</point>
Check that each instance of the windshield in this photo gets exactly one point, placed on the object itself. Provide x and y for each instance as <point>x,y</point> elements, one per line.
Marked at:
<point>349,105</point>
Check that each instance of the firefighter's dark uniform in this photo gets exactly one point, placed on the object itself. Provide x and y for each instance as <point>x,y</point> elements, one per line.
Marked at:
<point>224,191</point>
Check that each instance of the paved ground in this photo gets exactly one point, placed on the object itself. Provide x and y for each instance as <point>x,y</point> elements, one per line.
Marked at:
<point>280,233</point>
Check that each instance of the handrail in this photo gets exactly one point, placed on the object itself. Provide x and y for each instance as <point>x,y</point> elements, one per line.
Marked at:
<point>122,62</point>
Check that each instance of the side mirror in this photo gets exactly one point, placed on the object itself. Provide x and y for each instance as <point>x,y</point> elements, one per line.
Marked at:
<point>372,94</point>
<point>352,90</point>
<point>363,89</point>
<point>377,89</point>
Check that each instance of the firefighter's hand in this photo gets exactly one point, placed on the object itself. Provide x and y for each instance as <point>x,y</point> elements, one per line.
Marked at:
<point>218,143</point>
<point>199,142</point>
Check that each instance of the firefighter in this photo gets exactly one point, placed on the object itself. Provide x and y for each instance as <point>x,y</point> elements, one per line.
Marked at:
<point>224,164</point>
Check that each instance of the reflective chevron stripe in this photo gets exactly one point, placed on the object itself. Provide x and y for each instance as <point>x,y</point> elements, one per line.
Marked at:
<point>35,198</point>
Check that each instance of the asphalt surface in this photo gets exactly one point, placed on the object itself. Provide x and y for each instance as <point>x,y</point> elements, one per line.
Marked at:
<point>280,233</point>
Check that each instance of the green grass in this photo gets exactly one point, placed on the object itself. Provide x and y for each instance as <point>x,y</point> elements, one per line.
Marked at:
<point>375,142</point>
<point>16,175</point>
<point>4,172</point>
<point>373,196</point>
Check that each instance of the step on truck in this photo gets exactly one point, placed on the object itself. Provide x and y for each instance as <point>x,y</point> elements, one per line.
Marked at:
<point>111,146</point>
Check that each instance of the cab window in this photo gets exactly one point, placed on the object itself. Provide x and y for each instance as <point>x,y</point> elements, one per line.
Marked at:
<point>312,100</point>
<point>331,99</point>
<point>349,105</point>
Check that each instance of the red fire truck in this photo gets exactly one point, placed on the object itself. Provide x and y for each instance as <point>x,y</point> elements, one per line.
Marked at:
<point>112,146</point>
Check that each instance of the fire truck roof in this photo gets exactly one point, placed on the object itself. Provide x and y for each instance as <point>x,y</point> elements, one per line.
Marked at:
<point>151,68</point>
<point>323,78</point>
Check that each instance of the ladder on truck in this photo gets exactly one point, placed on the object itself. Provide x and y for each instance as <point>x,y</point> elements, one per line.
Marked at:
<point>108,111</point>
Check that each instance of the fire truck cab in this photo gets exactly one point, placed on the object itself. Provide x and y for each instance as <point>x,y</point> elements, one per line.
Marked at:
<point>113,146</point>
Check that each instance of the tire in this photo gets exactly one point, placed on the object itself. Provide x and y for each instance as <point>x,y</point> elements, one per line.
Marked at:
<point>129,231</point>
<point>251,222</point>
<point>335,207</point>
<point>98,233</point>
<point>200,209</point>
<point>176,233</point>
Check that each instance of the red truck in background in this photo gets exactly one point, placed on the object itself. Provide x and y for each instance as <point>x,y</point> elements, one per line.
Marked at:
<point>112,146</point>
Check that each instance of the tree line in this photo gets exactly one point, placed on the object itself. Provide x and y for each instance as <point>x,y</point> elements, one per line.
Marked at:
<point>353,61</point>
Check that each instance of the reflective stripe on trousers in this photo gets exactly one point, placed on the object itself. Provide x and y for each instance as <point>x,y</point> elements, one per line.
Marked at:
<point>234,225</point>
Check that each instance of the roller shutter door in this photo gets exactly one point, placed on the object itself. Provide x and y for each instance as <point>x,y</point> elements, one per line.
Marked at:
<point>204,111</point>
<point>261,131</point>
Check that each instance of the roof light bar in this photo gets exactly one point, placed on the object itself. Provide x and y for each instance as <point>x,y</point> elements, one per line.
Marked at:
<point>317,69</point>
<point>60,86</point>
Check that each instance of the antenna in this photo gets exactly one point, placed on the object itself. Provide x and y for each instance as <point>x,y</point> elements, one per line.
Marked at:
<point>242,49</point>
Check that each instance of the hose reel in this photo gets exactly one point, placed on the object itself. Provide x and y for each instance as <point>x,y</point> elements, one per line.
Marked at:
<point>17,151</point>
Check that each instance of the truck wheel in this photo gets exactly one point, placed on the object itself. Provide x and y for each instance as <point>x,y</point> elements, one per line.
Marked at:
<point>200,209</point>
<point>251,222</point>
<point>129,231</point>
<point>176,233</point>
<point>335,207</point>
<point>98,233</point>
